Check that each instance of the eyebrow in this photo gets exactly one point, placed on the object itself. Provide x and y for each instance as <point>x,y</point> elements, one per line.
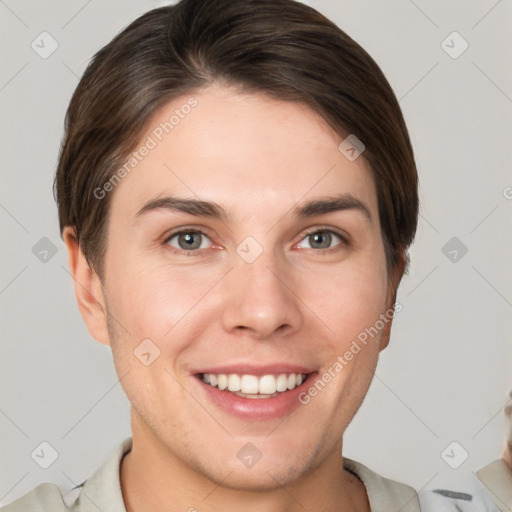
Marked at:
<point>209,209</point>
<point>333,204</point>
<point>190,206</point>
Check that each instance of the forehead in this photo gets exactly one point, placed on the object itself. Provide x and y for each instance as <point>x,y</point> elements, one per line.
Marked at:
<point>248,152</point>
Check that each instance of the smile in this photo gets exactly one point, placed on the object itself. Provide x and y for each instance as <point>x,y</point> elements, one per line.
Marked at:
<point>252,386</point>
<point>254,392</point>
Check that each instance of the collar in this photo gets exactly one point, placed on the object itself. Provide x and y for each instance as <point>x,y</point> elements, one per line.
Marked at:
<point>497,480</point>
<point>102,491</point>
<point>384,494</point>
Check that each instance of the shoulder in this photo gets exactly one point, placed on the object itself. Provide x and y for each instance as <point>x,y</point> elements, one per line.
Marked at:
<point>102,489</point>
<point>467,495</point>
<point>444,500</point>
<point>384,494</point>
<point>44,497</point>
<point>496,478</point>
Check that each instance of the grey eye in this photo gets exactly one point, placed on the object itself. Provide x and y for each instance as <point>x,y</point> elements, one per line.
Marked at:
<point>321,240</point>
<point>189,240</point>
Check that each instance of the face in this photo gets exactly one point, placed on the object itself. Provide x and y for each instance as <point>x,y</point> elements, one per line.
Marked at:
<point>245,250</point>
<point>507,453</point>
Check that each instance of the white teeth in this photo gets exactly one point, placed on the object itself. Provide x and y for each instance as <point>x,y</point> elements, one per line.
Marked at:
<point>222,382</point>
<point>267,385</point>
<point>251,386</point>
<point>282,382</point>
<point>234,382</point>
<point>243,395</point>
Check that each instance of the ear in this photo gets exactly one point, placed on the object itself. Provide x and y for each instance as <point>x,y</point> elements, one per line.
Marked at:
<point>507,452</point>
<point>88,290</point>
<point>394,281</point>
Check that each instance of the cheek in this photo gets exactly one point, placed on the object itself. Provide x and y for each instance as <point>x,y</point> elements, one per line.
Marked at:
<point>152,300</point>
<point>348,299</point>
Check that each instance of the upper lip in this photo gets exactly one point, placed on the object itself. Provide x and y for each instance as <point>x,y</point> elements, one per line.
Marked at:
<point>254,369</point>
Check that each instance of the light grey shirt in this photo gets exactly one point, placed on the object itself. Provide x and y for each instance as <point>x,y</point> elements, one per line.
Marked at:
<point>102,491</point>
<point>497,480</point>
<point>490,492</point>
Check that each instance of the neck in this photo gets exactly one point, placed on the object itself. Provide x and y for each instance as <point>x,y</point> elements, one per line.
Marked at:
<point>153,478</point>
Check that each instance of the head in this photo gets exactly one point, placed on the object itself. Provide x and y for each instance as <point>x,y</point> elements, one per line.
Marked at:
<point>210,208</point>
<point>507,452</point>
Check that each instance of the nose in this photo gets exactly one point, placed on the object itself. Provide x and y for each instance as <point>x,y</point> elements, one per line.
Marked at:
<point>260,299</point>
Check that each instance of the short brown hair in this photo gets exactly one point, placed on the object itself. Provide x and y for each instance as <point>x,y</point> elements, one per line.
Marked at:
<point>282,48</point>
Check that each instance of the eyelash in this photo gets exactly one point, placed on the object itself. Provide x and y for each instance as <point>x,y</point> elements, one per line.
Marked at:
<point>179,252</point>
<point>202,252</point>
<point>344,240</point>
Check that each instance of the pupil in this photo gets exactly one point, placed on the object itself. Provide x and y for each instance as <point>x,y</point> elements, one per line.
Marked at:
<point>187,241</point>
<point>321,240</point>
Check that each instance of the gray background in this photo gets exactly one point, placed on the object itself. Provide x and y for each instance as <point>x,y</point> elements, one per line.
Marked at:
<point>446,373</point>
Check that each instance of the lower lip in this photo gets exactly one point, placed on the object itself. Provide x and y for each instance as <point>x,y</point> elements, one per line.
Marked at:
<point>256,408</point>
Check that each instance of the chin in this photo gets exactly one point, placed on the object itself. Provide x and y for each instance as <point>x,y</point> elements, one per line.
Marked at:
<point>268,470</point>
<point>264,479</point>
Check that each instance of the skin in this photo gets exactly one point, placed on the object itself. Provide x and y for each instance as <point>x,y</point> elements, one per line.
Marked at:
<point>507,451</point>
<point>259,158</point>
<point>507,454</point>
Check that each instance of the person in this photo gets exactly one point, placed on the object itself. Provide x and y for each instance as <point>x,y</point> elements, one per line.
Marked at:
<point>489,490</point>
<point>237,193</point>
<point>496,477</point>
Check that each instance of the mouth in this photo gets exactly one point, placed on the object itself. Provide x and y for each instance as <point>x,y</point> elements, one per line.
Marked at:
<point>255,394</point>
<point>254,386</point>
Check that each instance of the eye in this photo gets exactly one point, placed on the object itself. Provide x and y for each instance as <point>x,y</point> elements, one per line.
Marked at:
<point>189,240</point>
<point>321,239</point>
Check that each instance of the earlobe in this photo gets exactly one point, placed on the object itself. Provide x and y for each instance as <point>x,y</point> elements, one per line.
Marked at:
<point>393,287</point>
<point>386,334</point>
<point>88,289</point>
